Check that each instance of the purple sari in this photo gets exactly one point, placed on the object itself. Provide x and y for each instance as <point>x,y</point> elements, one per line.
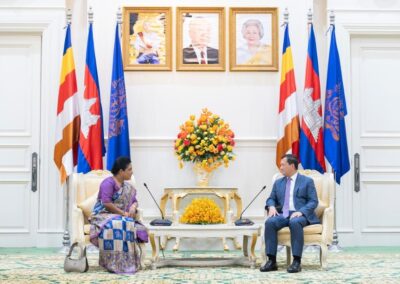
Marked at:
<point>116,236</point>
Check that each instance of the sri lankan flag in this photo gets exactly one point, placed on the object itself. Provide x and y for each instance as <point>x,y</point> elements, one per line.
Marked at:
<point>288,116</point>
<point>68,118</point>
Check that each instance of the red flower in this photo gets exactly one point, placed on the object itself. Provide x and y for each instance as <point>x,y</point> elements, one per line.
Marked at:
<point>186,142</point>
<point>219,147</point>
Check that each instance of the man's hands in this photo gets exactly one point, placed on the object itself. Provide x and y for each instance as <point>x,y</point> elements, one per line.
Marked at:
<point>273,212</point>
<point>296,214</point>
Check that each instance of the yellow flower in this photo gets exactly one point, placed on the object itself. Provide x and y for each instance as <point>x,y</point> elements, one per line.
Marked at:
<point>202,211</point>
<point>205,140</point>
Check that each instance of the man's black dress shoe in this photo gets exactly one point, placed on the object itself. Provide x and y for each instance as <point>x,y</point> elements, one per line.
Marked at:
<point>269,266</point>
<point>294,267</point>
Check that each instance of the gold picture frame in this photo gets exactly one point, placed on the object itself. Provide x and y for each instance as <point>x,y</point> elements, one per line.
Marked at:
<point>200,39</point>
<point>253,39</point>
<point>146,38</point>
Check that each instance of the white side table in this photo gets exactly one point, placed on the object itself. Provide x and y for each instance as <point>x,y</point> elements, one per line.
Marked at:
<point>205,231</point>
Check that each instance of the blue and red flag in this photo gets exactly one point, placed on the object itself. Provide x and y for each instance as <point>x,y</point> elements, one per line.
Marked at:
<point>311,134</point>
<point>91,139</point>
<point>118,130</point>
<point>335,139</point>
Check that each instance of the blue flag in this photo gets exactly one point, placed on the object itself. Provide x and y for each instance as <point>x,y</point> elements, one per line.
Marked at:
<point>335,141</point>
<point>118,130</point>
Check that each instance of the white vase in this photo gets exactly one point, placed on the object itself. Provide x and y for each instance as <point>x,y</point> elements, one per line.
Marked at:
<point>202,175</point>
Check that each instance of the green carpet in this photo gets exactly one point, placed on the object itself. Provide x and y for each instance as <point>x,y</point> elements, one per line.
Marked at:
<point>353,265</point>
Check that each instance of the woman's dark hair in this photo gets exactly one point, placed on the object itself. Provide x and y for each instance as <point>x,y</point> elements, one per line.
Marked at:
<point>121,163</point>
<point>292,159</point>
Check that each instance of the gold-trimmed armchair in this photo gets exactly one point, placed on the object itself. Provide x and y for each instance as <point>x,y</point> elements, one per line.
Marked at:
<point>84,189</point>
<point>318,234</point>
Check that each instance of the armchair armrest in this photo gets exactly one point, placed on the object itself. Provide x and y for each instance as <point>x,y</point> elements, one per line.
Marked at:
<point>327,225</point>
<point>139,214</point>
<point>77,234</point>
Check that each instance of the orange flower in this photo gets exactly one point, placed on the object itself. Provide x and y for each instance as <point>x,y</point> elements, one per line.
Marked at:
<point>211,137</point>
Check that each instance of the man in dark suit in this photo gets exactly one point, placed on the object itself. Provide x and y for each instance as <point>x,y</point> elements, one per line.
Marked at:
<point>292,203</point>
<point>199,52</point>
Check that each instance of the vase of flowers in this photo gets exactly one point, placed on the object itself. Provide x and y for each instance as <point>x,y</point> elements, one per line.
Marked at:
<point>207,142</point>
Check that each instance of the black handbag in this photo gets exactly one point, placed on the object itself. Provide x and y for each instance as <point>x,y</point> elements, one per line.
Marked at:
<point>79,264</point>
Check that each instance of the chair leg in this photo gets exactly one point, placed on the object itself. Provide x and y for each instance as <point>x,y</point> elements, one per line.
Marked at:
<point>143,255</point>
<point>263,256</point>
<point>288,255</point>
<point>322,256</point>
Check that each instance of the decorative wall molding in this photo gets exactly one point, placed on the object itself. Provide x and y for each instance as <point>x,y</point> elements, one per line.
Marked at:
<point>362,11</point>
<point>168,142</point>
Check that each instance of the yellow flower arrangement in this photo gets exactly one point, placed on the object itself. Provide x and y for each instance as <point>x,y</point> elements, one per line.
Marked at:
<point>208,141</point>
<point>202,211</point>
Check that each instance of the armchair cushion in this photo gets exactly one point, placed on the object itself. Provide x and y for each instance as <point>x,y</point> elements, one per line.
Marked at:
<point>308,230</point>
<point>88,204</point>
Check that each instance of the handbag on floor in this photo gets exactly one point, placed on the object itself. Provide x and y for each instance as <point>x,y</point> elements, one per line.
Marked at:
<point>79,264</point>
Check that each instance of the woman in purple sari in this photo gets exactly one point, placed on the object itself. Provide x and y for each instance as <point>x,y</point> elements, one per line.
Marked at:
<point>114,229</point>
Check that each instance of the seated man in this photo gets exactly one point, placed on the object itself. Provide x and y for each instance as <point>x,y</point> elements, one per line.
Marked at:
<point>292,203</point>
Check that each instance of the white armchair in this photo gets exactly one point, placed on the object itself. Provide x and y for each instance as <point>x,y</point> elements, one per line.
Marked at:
<point>318,234</point>
<point>84,189</point>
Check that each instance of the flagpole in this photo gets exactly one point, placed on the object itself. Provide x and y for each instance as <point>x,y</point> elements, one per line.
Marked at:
<point>334,247</point>
<point>66,237</point>
<point>119,21</point>
<point>310,248</point>
<point>335,242</point>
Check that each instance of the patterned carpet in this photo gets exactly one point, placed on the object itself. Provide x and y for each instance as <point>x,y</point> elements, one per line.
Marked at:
<point>353,265</point>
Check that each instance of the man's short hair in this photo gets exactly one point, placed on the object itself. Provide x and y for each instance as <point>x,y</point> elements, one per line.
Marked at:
<point>291,160</point>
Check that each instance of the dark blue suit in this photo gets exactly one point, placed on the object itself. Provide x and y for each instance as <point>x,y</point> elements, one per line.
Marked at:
<point>305,200</point>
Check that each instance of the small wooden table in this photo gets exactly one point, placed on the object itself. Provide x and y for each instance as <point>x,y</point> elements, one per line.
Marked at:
<point>205,231</point>
<point>176,194</point>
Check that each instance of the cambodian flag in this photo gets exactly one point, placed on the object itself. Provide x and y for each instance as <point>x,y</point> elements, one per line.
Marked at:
<point>311,139</point>
<point>91,139</point>
<point>118,130</point>
<point>335,139</point>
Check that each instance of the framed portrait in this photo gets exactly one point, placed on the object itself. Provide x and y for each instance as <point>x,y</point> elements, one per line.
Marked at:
<point>146,38</point>
<point>200,39</point>
<point>253,39</point>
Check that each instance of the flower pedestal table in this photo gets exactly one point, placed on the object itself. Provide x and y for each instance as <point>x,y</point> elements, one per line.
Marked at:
<point>176,194</point>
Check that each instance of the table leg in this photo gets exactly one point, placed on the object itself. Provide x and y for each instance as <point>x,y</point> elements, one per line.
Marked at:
<point>252,247</point>
<point>245,246</point>
<point>163,202</point>
<point>224,244</point>
<point>238,201</point>
<point>177,242</point>
<point>154,252</point>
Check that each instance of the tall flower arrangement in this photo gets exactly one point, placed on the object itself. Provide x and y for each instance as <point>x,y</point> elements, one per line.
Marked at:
<point>207,140</point>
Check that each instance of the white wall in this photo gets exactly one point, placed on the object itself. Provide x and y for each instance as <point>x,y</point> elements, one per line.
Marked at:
<point>158,102</point>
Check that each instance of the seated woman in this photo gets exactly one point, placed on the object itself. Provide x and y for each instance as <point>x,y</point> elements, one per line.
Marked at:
<point>114,229</point>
